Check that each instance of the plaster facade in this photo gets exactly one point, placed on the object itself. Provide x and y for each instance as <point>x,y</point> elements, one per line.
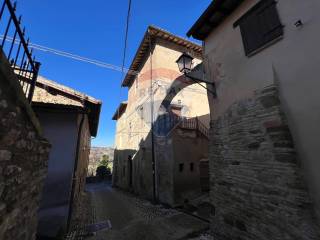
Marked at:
<point>69,120</point>
<point>61,128</point>
<point>289,65</point>
<point>133,133</point>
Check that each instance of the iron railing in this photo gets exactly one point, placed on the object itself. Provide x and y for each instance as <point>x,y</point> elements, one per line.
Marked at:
<point>194,124</point>
<point>168,122</point>
<point>17,50</point>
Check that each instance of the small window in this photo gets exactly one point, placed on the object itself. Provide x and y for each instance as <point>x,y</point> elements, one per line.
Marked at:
<point>191,167</point>
<point>260,26</point>
<point>181,165</point>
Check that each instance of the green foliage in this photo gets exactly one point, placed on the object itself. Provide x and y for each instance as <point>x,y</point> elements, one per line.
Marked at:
<point>105,157</point>
<point>104,161</point>
<point>104,168</point>
<point>102,172</point>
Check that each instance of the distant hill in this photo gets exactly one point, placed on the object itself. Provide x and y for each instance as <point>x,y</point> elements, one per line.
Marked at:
<point>95,157</point>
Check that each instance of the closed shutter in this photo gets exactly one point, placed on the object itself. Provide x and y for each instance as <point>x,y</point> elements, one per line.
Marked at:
<point>260,26</point>
<point>250,33</point>
<point>272,27</point>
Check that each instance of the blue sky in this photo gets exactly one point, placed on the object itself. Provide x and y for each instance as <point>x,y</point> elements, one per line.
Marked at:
<point>95,29</point>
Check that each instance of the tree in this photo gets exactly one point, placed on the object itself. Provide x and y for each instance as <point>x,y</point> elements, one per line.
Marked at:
<point>104,169</point>
<point>104,161</point>
<point>102,172</point>
<point>105,157</point>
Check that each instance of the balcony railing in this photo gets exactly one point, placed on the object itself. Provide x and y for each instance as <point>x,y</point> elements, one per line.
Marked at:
<point>17,49</point>
<point>194,124</point>
<point>168,122</point>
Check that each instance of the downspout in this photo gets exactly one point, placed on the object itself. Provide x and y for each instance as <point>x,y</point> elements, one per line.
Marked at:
<point>155,199</point>
<point>74,179</point>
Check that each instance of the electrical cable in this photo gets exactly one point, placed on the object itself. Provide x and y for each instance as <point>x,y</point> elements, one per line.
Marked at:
<point>125,48</point>
<point>126,34</point>
<point>77,57</point>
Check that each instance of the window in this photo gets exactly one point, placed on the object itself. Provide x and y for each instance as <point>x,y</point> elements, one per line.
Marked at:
<point>260,26</point>
<point>181,165</point>
<point>191,167</point>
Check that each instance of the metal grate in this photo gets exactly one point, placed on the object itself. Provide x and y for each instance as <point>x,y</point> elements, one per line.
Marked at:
<point>16,48</point>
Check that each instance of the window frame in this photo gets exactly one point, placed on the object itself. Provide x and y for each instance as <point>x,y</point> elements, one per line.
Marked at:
<point>260,7</point>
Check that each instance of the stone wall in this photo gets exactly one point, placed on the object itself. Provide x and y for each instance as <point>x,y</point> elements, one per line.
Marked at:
<point>23,160</point>
<point>257,186</point>
<point>81,167</point>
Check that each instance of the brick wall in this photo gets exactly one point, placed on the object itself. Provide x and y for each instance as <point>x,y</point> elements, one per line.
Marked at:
<point>257,185</point>
<point>23,160</point>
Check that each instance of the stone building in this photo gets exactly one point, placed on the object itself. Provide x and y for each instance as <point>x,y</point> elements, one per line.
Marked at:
<point>23,159</point>
<point>180,131</point>
<point>264,150</point>
<point>69,119</point>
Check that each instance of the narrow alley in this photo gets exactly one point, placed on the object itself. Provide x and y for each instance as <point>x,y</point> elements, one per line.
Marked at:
<point>125,120</point>
<point>133,218</point>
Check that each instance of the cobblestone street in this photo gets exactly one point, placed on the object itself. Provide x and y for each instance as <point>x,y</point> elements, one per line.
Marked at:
<point>136,219</point>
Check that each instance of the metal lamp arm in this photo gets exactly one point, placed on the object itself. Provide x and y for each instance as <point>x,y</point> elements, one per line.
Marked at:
<point>199,81</point>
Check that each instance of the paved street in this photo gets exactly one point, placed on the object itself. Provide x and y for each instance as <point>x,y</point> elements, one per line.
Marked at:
<point>136,219</point>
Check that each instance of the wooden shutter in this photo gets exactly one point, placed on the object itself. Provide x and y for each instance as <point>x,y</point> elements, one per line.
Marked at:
<point>260,26</point>
<point>272,27</point>
<point>250,33</point>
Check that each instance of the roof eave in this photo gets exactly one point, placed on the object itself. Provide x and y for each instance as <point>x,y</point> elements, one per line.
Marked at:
<point>94,119</point>
<point>205,20</point>
<point>120,110</point>
<point>90,105</point>
<point>153,31</point>
<point>127,79</point>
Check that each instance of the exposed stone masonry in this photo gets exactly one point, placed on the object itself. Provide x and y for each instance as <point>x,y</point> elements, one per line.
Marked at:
<point>257,185</point>
<point>23,162</point>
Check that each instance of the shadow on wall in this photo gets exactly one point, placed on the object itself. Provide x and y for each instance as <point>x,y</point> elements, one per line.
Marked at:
<point>177,141</point>
<point>179,146</point>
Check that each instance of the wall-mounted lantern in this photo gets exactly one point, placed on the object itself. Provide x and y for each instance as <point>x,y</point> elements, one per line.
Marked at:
<point>185,65</point>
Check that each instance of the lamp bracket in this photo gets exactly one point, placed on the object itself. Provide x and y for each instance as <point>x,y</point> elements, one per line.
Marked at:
<point>199,81</point>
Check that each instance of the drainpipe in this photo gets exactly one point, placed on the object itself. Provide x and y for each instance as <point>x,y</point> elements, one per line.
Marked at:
<point>74,179</point>
<point>154,168</point>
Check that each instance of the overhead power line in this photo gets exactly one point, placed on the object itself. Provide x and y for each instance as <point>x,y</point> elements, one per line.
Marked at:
<point>77,57</point>
<point>125,47</point>
<point>126,34</point>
